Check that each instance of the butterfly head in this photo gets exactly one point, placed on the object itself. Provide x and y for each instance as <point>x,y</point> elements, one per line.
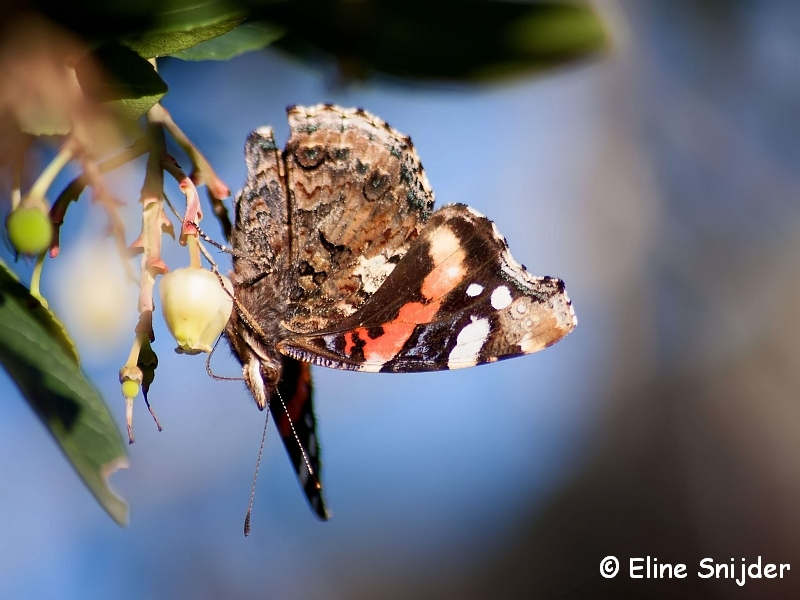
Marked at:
<point>262,378</point>
<point>261,364</point>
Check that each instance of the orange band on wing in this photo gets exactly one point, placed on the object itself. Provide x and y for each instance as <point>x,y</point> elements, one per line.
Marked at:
<point>447,274</point>
<point>444,277</point>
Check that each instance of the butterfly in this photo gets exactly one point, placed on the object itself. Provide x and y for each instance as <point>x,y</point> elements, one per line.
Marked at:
<point>339,260</point>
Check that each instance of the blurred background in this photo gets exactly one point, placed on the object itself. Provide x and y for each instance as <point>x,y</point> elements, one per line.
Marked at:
<point>661,181</point>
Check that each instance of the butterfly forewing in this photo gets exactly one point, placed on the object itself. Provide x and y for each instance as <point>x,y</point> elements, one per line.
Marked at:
<point>455,300</point>
<point>358,198</point>
<point>294,418</point>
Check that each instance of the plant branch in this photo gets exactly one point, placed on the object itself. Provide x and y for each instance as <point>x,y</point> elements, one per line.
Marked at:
<point>154,221</point>
<point>72,192</point>
<point>202,171</point>
<point>36,279</point>
<point>51,171</point>
<point>194,213</point>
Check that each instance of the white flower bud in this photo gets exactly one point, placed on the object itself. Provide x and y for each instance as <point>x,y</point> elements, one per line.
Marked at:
<point>195,308</point>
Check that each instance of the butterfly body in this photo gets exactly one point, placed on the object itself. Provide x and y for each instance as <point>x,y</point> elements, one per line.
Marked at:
<point>341,261</point>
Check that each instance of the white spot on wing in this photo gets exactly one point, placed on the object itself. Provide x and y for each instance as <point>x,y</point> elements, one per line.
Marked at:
<point>474,289</point>
<point>469,342</point>
<point>501,298</point>
<point>444,244</point>
<point>330,341</point>
<point>373,272</point>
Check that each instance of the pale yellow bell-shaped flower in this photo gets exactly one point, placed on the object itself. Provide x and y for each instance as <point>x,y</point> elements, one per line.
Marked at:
<point>195,307</point>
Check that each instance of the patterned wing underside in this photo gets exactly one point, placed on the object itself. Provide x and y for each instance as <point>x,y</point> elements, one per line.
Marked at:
<point>262,244</point>
<point>358,198</point>
<point>296,390</point>
<point>456,299</point>
<point>262,219</point>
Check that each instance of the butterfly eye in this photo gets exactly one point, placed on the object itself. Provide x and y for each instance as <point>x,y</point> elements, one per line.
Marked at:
<point>376,185</point>
<point>310,156</point>
<point>271,375</point>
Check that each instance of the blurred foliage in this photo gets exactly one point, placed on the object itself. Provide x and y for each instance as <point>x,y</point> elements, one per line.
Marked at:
<point>131,82</point>
<point>43,363</point>
<point>248,36</point>
<point>464,40</point>
<point>445,39</point>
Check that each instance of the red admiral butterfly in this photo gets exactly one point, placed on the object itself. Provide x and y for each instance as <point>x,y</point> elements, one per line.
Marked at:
<point>340,261</point>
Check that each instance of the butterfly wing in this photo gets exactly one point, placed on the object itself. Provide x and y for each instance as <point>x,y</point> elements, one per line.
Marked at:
<point>456,299</point>
<point>294,418</point>
<point>358,198</point>
<point>261,240</point>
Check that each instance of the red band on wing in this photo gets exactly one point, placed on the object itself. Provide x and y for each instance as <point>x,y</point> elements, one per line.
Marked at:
<point>294,406</point>
<point>436,285</point>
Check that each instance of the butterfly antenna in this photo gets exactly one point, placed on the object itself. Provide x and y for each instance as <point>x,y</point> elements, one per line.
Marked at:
<point>296,437</point>
<point>255,476</point>
<point>214,243</point>
<point>243,312</point>
<point>211,373</point>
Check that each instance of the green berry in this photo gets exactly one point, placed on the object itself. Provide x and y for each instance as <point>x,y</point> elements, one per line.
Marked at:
<point>195,307</point>
<point>130,388</point>
<point>29,230</point>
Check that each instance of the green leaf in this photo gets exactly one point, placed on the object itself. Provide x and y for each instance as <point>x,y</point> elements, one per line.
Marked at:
<point>457,40</point>
<point>103,20</point>
<point>125,75</point>
<point>128,81</point>
<point>134,108</point>
<point>165,43</point>
<point>50,379</point>
<point>186,15</point>
<point>182,29</point>
<point>244,38</point>
<point>55,329</point>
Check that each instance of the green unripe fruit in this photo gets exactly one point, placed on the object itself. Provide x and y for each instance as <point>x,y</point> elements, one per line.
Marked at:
<point>195,307</point>
<point>29,230</point>
<point>130,388</point>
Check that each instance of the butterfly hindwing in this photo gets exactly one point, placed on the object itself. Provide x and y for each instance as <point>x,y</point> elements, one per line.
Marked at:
<point>455,300</point>
<point>261,239</point>
<point>299,429</point>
